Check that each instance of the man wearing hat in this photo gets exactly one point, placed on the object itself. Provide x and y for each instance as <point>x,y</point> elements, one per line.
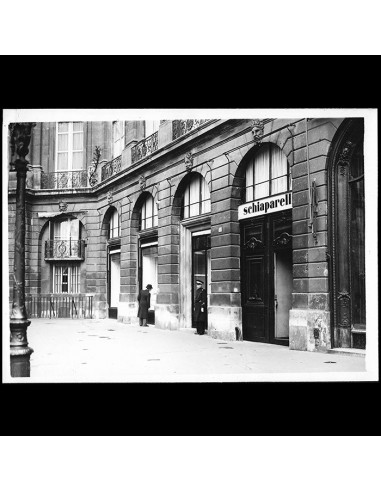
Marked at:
<point>200,307</point>
<point>144,299</point>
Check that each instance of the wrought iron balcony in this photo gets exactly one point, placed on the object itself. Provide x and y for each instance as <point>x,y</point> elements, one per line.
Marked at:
<point>181,127</point>
<point>65,249</point>
<point>144,147</point>
<point>111,168</point>
<point>64,179</point>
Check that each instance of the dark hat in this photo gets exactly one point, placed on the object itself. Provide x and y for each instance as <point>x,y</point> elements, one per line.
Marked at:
<point>149,286</point>
<point>199,282</point>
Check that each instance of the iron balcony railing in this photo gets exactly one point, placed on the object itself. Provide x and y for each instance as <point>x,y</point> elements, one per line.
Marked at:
<point>59,306</point>
<point>111,168</point>
<point>181,127</point>
<point>144,147</point>
<point>65,249</point>
<point>64,180</point>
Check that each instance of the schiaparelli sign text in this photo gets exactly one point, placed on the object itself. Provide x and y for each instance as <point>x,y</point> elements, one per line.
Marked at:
<point>267,205</point>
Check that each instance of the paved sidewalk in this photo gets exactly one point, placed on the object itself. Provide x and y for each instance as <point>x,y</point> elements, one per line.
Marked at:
<point>68,350</point>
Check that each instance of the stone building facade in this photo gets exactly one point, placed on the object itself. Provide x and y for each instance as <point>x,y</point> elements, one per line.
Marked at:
<point>264,212</point>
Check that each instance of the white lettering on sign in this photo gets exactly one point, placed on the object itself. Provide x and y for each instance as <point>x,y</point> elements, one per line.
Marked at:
<point>267,205</point>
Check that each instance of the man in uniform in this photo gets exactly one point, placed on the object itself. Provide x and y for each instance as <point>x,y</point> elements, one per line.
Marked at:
<point>200,308</point>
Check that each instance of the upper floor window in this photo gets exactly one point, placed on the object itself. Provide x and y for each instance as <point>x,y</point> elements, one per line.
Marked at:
<point>267,173</point>
<point>151,126</point>
<point>118,138</point>
<point>66,229</point>
<point>149,217</point>
<point>69,146</point>
<point>66,279</point>
<point>196,199</point>
<point>114,225</point>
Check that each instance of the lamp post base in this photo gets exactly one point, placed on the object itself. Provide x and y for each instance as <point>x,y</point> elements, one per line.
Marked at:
<point>19,349</point>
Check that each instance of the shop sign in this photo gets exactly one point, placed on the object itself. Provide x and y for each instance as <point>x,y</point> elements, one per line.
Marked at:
<point>274,203</point>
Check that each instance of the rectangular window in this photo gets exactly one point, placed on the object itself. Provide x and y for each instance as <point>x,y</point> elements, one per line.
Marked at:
<point>149,215</point>
<point>151,126</point>
<point>69,148</point>
<point>118,138</point>
<point>66,279</point>
<point>114,225</point>
<point>67,229</point>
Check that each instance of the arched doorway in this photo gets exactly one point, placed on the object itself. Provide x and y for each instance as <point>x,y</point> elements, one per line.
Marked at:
<point>266,245</point>
<point>192,206</point>
<point>146,208</point>
<point>347,236</point>
<point>112,223</point>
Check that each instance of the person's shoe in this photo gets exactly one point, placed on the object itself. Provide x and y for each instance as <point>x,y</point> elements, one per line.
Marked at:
<point>145,325</point>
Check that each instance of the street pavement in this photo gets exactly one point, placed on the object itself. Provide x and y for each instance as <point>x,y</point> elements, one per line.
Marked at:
<point>67,350</point>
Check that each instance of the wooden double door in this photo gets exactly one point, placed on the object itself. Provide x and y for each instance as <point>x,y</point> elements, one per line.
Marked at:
<point>266,278</point>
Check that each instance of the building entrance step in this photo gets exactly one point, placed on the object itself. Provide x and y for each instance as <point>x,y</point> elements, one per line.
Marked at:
<point>347,351</point>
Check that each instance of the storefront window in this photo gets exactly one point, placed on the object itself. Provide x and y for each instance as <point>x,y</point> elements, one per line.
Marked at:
<point>357,238</point>
<point>149,270</point>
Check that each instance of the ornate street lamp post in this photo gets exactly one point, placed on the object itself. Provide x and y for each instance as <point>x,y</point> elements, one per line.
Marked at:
<point>20,134</point>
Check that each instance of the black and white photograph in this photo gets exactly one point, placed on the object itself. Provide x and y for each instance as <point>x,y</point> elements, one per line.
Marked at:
<point>190,245</point>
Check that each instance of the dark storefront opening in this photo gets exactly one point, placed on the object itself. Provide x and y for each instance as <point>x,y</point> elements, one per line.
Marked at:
<point>113,282</point>
<point>148,261</point>
<point>200,267</point>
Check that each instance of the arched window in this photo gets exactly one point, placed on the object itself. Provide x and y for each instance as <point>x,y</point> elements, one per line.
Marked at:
<point>65,229</point>
<point>148,217</point>
<point>267,173</point>
<point>114,225</point>
<point>196,198</point>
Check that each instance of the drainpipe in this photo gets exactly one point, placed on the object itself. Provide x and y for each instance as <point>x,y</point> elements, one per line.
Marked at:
<point>312,193</point>
<point>292,125</point>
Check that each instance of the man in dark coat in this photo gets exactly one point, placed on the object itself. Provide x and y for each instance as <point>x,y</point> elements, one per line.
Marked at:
<point>144,299</point>
<point>200,308</point>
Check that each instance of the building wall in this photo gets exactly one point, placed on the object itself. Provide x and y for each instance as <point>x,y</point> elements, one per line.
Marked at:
<point>219,154</point>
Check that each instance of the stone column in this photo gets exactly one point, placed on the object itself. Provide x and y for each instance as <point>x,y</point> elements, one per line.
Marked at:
<point>310,314</point>
<point>225,311</point>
